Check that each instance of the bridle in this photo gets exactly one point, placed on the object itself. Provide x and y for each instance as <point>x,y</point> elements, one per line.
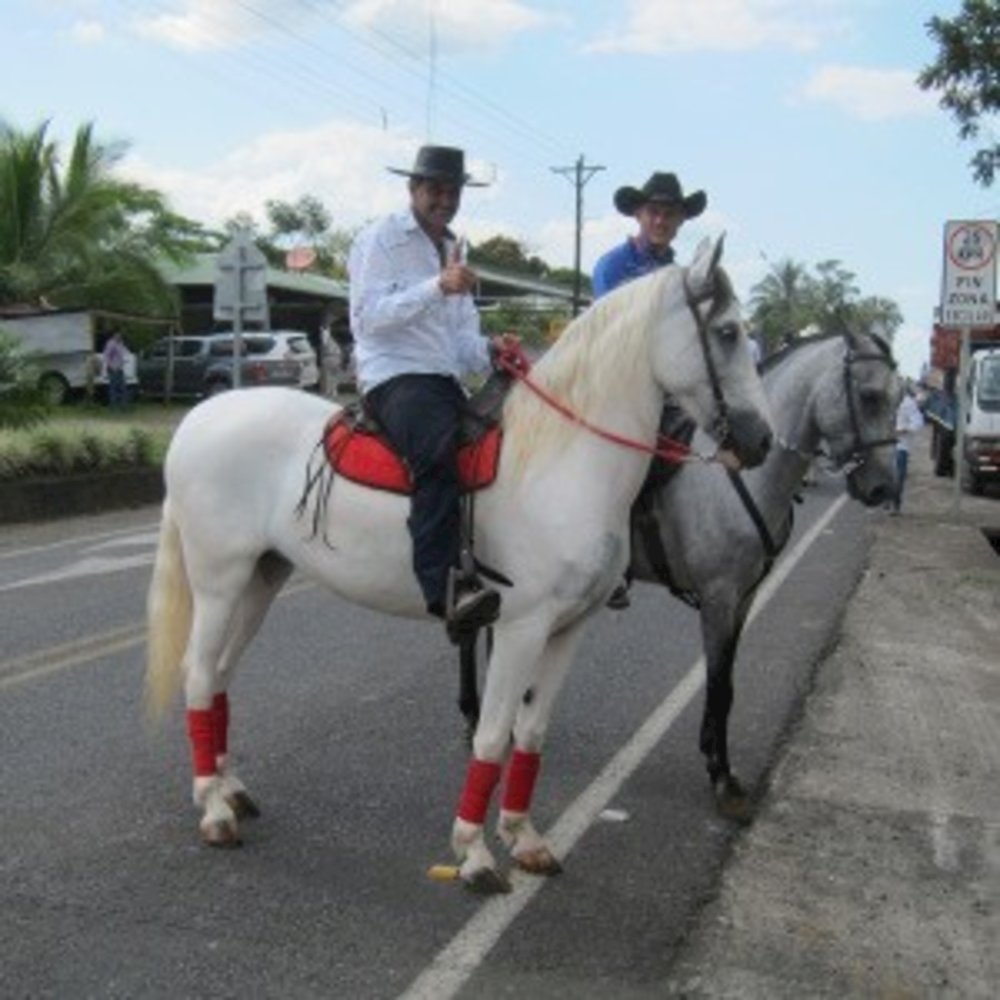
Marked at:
<point>849,460</point>
<point>856,456</point>
<point>722,426</point>
<point>515,363</point>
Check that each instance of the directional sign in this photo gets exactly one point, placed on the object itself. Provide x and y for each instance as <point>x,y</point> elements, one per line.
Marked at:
<point>969,285</point>
<point>241,282</point>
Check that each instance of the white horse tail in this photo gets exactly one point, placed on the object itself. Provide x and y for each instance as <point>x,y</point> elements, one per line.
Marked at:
<point>168,616</point>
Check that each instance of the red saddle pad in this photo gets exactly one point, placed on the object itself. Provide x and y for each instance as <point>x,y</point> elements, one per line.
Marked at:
<point>366,457</point>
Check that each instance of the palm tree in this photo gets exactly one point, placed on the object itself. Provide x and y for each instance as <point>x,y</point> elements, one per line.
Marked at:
<point>781,303</point>
<point>75,236</point>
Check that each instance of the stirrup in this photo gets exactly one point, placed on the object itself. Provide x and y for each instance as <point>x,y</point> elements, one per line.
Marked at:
<point>469,605</point>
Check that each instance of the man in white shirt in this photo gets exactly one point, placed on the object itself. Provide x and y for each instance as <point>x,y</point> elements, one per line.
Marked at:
<point>909,420</point>
<point>416,331</point>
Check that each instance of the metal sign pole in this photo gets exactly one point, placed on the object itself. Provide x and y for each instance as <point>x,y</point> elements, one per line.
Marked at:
<point>961,408</point>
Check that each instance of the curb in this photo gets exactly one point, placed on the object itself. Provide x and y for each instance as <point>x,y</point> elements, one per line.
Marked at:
<point>46,498</point>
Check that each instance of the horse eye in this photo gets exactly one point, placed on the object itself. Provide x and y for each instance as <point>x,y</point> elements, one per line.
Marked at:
<point>728,331</point>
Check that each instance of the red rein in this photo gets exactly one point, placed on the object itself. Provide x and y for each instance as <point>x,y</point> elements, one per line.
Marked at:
<point>515,362</point>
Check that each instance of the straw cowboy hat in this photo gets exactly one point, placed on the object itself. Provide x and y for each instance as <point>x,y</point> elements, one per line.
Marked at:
<point>439,163</point>
<point>664,189</point>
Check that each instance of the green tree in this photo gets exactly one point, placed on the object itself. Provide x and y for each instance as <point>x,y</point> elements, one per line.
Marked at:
<point>303,223</point>
<point>73,235</point>
<point>508,254</point>
<point>22,403</point>
<point>967,73</point>
<point>781,303</point>
<point>789,300</point>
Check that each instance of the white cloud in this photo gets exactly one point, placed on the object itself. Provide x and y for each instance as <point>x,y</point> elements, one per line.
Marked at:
<point>88,32</point>
<point>869,94</point>
<point>201,25</point>
<point>657,26</point>
<point>198,25</point>
<point>458,24</point>
<point>342,163</point>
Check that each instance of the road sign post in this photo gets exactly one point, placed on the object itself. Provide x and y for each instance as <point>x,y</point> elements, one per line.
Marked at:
<point>241,291</point>
<point>968,300</point>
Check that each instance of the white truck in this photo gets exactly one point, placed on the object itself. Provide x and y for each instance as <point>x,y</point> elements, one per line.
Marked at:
<point>64,347</point>
<point>981,440</point>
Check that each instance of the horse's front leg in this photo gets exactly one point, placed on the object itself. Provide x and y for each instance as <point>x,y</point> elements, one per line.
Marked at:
<point>721,626</point>
<point>527,847</point>
<point>516,652</point>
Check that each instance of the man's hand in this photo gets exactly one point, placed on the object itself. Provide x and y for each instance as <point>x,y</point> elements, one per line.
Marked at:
<point>456,278</point>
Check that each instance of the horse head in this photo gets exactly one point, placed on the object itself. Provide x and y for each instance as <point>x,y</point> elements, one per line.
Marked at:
<point>714,378</point>
<point>856,415</point>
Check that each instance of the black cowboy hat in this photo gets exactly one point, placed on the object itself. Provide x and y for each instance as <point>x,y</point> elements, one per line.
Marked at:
<point>439,163</point>
<point>664,189</point>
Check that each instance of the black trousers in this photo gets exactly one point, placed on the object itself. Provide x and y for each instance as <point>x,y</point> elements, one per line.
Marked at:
<point>420,415</point>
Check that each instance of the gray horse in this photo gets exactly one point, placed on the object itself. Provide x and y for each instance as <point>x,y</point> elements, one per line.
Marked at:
<point>833,395</point>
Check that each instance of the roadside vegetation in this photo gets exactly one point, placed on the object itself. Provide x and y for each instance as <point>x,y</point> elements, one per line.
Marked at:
<point>86,438</point>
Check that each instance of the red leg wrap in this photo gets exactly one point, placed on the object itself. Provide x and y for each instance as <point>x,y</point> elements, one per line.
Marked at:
<point>201,732</point>
<point>220,711</point>
<point>522,772</point>
<point>480,780</point>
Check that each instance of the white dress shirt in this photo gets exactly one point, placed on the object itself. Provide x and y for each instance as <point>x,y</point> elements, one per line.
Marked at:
<point>401,320</point>
<point>909,420</point>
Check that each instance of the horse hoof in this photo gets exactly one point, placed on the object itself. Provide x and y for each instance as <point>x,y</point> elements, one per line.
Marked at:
<point>540,861</point>
<point>220,835</point>
<point>243,806</point>
<point>486,882</point>
<point>732,800</point>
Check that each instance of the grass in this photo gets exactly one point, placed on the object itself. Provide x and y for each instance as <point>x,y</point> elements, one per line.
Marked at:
<point>89,438</point>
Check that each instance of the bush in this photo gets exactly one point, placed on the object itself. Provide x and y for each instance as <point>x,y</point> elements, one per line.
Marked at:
<point>62,448</point>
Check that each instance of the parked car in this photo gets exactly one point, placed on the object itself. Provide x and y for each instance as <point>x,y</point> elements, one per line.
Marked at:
<point>295,345</point>
<point>203,364</point>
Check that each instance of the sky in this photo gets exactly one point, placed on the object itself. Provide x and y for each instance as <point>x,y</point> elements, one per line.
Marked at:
<point>801,119</point>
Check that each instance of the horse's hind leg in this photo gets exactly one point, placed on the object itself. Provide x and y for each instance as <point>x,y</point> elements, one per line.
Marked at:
<point>215,610</point>
<point>270,575</point>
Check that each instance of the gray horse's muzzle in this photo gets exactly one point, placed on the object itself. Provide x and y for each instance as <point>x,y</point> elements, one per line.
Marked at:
<point>748,437</point>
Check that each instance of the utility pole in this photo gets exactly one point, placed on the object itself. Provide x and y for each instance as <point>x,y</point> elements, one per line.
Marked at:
<point>581,173</point>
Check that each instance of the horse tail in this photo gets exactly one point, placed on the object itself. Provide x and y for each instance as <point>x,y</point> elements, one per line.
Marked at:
<point>168,616</point>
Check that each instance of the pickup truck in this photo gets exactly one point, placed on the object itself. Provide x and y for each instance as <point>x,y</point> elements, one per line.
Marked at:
<point>981,408</point>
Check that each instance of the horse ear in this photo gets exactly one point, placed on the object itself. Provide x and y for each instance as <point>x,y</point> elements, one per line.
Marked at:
<point>706,260</point>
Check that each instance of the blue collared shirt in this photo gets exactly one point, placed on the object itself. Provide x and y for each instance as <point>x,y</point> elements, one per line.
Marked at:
<point>626,262</point>
<point>401,320</point>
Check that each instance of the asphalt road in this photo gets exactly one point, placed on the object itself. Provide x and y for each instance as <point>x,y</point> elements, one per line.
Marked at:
<point>346,731</point>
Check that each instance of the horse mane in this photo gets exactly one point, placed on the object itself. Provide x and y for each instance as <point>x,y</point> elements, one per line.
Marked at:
<point>775,359</point>
<point>600,355</point>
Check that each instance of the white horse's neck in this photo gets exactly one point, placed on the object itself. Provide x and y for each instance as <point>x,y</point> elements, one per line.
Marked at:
<point>600,370</point>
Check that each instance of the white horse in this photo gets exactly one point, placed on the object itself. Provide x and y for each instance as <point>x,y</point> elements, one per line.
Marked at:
<point>555,522</point>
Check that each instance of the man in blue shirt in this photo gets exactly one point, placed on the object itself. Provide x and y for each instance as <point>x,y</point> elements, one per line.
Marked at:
<point>417,332</point>
<point>660,208</point>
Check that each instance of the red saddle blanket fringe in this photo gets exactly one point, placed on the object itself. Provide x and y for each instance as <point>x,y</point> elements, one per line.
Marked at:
<point>365,457</point>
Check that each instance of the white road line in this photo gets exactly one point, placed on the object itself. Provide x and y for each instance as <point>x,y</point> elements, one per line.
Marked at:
<point>459,959</point>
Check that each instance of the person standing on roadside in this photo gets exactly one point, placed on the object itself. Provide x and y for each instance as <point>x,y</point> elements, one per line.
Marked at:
<point>417,332</point>
<point>909,420</point>
<point>113,362</point>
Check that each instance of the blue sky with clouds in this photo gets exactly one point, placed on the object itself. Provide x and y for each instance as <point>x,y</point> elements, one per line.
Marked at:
<point>800,118</point>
